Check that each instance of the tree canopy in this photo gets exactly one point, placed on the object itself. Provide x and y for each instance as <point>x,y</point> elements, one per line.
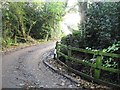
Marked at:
<point>25,21</point>
<point>100,27</point>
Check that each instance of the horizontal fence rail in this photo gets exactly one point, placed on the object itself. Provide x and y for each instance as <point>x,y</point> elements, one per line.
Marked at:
<point>91,52</point>
<point>97,66</point>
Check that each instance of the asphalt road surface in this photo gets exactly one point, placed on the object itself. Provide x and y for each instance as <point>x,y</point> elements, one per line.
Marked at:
<point>24,68</point>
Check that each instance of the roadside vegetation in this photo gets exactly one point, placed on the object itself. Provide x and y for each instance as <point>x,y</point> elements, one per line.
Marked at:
<point>99,31</point>
<point>34,22</point>
<point>30,22</point>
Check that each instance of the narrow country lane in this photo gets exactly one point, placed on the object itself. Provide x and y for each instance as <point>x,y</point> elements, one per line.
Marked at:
<point>25,68</point>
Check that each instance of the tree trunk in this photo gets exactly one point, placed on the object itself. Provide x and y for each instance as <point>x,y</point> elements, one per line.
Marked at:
<point>82,8</point>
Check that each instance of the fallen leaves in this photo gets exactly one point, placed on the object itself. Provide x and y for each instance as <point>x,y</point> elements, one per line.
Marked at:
<point>82,83</point>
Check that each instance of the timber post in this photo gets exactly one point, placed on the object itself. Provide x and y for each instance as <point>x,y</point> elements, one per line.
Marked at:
<point>69,55</point>
<point>56,56</point>
<point>118,72</point>
<point>97,70</point>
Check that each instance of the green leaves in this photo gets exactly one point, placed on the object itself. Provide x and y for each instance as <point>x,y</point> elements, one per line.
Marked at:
<point>102,24</point>
<point>112,48</point>
<point>38,20</point>
<point>101,27</point>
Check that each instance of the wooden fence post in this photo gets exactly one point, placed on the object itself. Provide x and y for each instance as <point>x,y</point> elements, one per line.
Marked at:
<point>118,72</point>
<point>98,63</point>
<point>69,55</point>
<point>69,51</point>
<point>56,56</point>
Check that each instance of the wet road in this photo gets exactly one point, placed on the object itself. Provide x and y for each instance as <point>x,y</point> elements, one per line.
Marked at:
<point>25,68</point>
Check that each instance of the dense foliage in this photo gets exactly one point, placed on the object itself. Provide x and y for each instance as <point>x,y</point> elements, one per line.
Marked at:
<point>26,21</point>
<point>99,30</point>
<point>101,27</point>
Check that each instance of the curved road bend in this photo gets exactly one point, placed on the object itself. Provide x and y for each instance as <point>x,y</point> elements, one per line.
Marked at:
<point>24,68</point>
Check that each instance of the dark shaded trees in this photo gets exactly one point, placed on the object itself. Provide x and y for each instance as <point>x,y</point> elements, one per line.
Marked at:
<point>100,25</point>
